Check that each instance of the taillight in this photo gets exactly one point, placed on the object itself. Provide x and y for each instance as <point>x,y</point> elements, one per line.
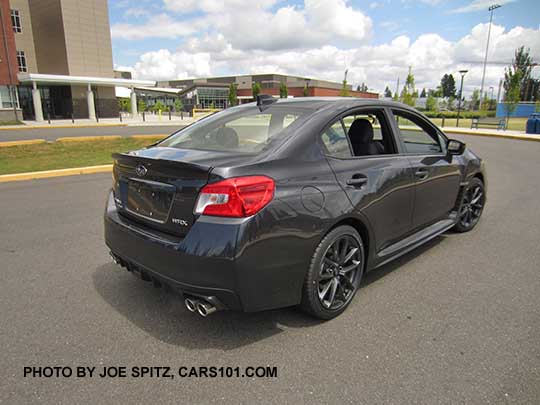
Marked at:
<point>235,197</point>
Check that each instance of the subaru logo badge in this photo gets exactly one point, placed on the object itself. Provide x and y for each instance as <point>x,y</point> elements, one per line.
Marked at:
<point>141,170</point>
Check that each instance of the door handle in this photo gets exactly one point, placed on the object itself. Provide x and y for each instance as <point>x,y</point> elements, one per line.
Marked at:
<point>357,181</point>
<point>422,173</point>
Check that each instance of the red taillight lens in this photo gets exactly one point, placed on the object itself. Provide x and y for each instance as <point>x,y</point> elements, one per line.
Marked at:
<point>236,197</point>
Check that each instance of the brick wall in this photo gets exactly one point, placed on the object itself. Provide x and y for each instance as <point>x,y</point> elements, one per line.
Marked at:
<point>11,48</point>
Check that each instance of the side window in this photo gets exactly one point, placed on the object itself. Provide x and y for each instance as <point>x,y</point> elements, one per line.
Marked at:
<point>417,136</point>
<point>336,142</point>
<point>377,130</point>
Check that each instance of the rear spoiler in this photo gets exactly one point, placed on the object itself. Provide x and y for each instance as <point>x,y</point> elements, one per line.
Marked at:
<point>126,157</point>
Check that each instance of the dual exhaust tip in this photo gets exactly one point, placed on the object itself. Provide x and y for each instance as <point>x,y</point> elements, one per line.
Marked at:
<point>201,307</point>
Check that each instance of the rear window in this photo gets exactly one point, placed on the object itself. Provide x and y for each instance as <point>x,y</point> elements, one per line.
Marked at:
<point>242,129</point>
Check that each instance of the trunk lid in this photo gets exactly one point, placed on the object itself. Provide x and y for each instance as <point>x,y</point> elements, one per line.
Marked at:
<point>158,187</point>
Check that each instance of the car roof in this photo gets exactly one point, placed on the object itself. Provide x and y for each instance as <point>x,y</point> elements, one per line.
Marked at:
<point>337,103</point>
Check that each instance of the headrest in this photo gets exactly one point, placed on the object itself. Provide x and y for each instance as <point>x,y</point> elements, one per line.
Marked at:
<point>361,131</point>
<point>228,138</point>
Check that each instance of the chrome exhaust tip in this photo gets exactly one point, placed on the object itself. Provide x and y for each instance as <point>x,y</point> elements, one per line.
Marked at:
<point>191,304</point>
<point>204,309</point>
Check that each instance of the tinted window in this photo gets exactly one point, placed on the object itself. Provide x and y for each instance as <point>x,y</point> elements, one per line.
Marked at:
<point>335,140</point>
<point>417,136</point>
<point>377,131</point>
<point>240,129</point>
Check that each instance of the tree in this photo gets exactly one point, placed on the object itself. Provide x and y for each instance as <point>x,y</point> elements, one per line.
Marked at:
<point>305,92</point>
<point>522,63</point>
<point>158,106</point>
<point>233,97</point>
<point>409,94</point>
<point>475,99</point>
<point>424,93</point>
<point>283,90</point>
<point>362,87</point>
<point>448,86</point>
<point>344,89</point>
<point>256,89</point>
<point>178,105</point>
<point>512,87</point>
<point>450,103</point>
<point>124,104</point>
<point>431,103</point>
<point>141,106</point>
<point>387,92</point>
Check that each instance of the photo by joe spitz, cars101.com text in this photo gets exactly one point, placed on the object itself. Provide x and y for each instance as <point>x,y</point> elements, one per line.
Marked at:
<point>283,203</point>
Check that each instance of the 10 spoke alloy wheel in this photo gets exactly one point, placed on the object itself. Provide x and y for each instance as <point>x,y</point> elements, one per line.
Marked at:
<point>338,272</point>
<point>334,274</point>
<point>472,206</point>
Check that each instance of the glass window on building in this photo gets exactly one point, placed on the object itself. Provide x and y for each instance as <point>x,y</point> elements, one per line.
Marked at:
<point>211,97</point>
<point>21,61</point>
<point>6,97</point>
<point>16,21</point>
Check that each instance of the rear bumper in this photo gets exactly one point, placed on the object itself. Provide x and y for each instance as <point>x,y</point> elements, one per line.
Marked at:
<point>184,264</point>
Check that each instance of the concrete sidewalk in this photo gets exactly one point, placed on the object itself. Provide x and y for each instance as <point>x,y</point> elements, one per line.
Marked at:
<point>149,120</point>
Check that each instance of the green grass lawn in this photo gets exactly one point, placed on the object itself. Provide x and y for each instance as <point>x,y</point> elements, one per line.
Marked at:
<point>515,124</point>
<point>62,155</point>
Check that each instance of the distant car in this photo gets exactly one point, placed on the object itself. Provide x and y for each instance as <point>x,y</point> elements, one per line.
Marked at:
<point>288,202</point>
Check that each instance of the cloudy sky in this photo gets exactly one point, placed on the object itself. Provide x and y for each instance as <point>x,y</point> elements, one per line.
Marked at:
<point>375,40</point>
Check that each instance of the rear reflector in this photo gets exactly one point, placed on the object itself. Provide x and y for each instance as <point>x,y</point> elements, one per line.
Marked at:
<point>236,197</point>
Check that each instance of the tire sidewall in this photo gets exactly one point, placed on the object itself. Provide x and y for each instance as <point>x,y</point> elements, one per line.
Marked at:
<point>311,302</point>
<point>473,182</point>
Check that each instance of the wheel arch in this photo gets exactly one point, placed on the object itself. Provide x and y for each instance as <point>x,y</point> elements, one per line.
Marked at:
<point>362,229</point>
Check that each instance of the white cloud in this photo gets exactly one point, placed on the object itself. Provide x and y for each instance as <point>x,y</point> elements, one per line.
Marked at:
<point>163,64</point>
<point>375,5</point>
<point>158,26</point>
<point>479,5</point>
<point>430,56</point>
<point>135,12</point>
<point>253,25</point>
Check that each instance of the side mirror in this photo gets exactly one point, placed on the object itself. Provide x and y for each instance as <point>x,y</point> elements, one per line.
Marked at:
<point>455,147</point>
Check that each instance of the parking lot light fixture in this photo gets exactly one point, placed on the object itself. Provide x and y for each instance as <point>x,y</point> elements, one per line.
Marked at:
<point>490,9</point>
<point>462,73</point>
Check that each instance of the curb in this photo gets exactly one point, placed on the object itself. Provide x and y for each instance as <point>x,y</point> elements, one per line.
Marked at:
<point>19,143</point>
<point>55,173</point>
<point>9,128</point>
<point>6,144</point>
<point>88,138</point>
<point>148,136</point>
<point>488,134</point>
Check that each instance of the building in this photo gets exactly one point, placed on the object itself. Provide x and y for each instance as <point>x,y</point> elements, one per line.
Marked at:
<point>63,59</point>
<point>9,106</point>
<point>214,91</point>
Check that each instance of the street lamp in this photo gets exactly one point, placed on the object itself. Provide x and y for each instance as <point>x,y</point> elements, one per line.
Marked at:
<point>490,9</point>
<point>462,73</point>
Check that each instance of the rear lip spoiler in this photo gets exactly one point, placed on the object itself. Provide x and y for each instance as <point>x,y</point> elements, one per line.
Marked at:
<point>166,162</point>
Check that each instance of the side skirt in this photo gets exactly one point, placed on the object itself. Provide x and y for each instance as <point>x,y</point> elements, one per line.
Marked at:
<point>415,240</point>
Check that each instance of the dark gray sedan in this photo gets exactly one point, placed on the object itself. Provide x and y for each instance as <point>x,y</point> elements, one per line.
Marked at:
<point>288,202</point>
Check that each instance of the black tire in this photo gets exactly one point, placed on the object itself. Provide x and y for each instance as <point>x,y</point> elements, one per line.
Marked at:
<point>472,206</point>
<point>329,275</point>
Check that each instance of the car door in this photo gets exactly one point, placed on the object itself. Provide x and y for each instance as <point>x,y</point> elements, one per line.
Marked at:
<point>437,175</point>
<point>380,187</point>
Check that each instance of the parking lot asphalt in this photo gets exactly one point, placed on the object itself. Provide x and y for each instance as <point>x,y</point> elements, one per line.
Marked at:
<point>51,134</point>
<point>455,321</point>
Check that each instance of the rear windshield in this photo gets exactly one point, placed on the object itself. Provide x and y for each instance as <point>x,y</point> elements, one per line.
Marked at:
<point>240,129</point>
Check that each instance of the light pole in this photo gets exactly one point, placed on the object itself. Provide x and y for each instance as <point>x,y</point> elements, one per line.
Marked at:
<point>491,9</point>
<point>462,73</point>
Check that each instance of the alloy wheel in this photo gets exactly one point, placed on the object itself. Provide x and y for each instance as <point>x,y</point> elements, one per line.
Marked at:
<point>338,275</point>
<point>472,206</point>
